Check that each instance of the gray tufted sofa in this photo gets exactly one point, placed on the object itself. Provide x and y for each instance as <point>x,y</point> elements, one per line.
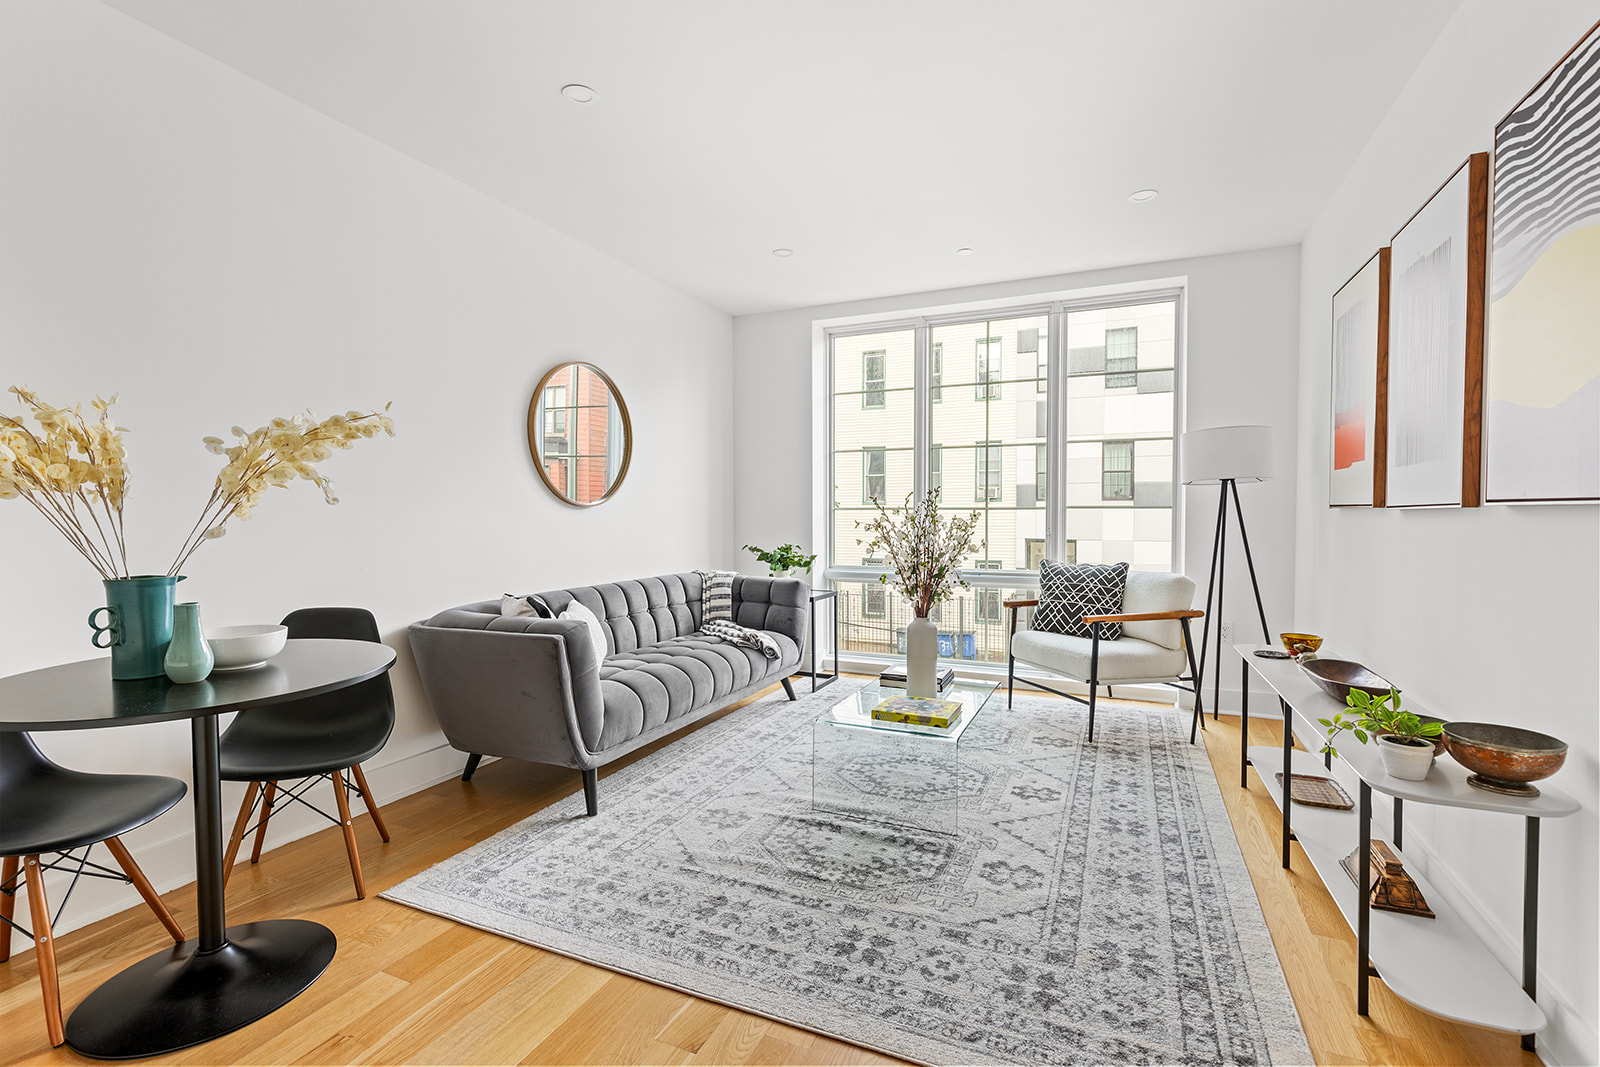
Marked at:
<point>531,688</point>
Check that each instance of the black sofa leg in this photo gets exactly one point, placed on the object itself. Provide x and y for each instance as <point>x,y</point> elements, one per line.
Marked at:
<point>591,791</point>
<point>472,765</point>
<point>788,687</point>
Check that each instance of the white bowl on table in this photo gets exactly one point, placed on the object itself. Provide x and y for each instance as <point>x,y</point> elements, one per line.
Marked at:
<point>238,648</point>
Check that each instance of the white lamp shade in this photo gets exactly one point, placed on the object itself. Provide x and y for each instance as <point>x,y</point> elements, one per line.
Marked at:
<point>1243,453</point>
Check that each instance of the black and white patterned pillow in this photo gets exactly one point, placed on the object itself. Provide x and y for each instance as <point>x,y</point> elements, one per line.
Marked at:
<point>1067,594</point>
<point>532,604</point>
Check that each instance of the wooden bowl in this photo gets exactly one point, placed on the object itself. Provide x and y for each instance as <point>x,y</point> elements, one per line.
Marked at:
<point>1504,758</point>
<point>1337,677</point>
<point>1295,644</point>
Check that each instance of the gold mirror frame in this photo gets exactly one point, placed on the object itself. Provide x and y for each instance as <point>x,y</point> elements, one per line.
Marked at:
<point>536,434</point>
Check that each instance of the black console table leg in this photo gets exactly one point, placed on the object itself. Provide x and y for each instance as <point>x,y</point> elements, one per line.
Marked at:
<point>1288,747</point>
<point>1530,917</point>
<point>1399,821</point>
<point>1364,902</point>
<point>1244,722</point>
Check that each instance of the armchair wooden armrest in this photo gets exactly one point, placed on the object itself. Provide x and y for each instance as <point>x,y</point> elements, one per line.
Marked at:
<point>1145,616</point>
<point>1021,603</point>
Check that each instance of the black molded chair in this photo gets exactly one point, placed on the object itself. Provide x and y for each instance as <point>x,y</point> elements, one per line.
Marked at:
<point>307,740</point>
<point>47,809</point>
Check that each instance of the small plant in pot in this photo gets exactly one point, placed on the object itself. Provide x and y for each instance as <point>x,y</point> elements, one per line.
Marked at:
<point>1405,740</point>
<point>783,561</point>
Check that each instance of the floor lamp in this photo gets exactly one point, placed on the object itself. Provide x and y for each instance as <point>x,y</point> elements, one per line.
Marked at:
<point>1225,456</point>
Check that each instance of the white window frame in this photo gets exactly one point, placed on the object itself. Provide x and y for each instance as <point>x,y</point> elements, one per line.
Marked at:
<point>1053,355</point>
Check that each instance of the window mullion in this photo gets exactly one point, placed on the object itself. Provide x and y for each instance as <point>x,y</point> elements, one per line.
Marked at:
<point>1055,500</point>
<point>922,411</point>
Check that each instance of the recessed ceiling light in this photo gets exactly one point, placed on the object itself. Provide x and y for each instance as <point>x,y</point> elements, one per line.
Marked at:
<point>578,94</point>
<point>783,253</point>
<point>963,251</point>
<point>1143,196</point>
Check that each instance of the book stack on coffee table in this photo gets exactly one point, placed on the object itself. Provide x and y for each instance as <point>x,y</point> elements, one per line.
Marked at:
<point>895,677</point>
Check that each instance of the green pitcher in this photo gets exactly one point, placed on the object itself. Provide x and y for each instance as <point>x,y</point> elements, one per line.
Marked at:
<point>139,624</point>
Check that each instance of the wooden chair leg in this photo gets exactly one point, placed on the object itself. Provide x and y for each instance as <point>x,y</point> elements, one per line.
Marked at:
<point>238,830</point>
<point>372,805</point>
<point>349,834</point>
<point>146,890</point>
<point>49,983</point>
<point>267,796</point>
<point>8,906</point>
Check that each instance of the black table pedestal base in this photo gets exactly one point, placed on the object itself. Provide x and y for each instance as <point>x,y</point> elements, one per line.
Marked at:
<point>178,997</point>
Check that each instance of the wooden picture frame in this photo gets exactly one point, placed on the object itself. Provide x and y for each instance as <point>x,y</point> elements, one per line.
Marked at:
<point>1359,372</point>
<point>1434,397</point>
<point>1542,375</point>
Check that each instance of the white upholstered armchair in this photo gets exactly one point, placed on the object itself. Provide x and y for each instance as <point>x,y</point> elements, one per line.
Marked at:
<point>1154,646</point>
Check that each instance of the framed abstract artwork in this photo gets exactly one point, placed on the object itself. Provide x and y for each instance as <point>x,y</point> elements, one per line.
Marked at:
<point>1542,384</point>
<point>1435,380</point>
<point>1360,369</point>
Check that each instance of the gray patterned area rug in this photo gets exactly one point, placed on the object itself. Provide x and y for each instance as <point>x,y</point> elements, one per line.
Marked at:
<point>1093,908</point>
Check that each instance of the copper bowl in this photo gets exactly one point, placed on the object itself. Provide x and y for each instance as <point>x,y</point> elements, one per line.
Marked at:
<point>1504,758</point>
<point>1337,677</point>
<point>1295,644</point>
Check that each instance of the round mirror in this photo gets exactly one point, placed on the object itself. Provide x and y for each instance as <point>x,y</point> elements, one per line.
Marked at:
<point>579,433</point>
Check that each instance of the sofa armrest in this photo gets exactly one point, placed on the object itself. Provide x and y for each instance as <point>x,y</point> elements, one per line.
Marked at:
<point>522,687</point>
<point>780,605</point>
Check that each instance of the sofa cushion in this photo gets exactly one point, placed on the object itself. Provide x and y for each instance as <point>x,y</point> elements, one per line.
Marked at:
<point>646,687</point>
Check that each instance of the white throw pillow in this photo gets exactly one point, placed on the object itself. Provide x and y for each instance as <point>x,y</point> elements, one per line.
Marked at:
<point>523,606</point>
<point>597,630</point>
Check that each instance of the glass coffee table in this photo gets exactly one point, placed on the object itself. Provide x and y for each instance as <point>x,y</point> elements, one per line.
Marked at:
<point>892,772</point>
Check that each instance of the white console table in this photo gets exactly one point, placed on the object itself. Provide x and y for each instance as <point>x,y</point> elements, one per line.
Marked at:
<point>1438,964</point>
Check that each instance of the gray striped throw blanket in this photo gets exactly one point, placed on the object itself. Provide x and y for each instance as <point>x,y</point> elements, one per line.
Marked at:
<point>717,615</point>
<point>735,634</point>
<point>717,599</point>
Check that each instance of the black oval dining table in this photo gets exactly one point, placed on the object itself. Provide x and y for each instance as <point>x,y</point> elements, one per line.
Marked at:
<point>228,976</point>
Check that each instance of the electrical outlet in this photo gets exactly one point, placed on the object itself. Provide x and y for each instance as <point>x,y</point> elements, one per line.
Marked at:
<point>1227,633</point>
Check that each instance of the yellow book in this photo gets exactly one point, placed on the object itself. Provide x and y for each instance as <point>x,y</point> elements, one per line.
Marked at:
<point>919,711</point>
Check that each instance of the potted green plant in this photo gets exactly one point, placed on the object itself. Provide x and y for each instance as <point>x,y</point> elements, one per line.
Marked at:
<point>1405,740</point>
<point>785,561</point>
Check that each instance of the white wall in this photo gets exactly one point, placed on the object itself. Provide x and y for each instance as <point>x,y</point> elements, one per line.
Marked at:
<point>219,254</point>
<point>1487,613</point>
<point>1239,367</point>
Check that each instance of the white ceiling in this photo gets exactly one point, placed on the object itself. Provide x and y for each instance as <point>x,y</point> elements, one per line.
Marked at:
<point>873,137</point>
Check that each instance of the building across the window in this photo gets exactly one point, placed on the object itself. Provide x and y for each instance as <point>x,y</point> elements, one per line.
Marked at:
<point>990,460</point>
<point>988,368</point>
<point>936,359</point>
<point>873,379</point>
<point>1116,470</point>
<point>874,475</point>
<point>1122,357</point>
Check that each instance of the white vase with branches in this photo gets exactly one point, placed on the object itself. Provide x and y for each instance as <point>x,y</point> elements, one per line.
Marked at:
<point>923,548</point>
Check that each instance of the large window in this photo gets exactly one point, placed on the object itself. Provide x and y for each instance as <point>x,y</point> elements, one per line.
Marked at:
<point>1063,419</point>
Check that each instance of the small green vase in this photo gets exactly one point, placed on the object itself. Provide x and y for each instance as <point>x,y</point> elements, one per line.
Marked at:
<point>189,658</point>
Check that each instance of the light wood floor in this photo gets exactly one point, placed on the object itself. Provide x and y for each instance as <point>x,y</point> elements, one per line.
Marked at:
<point>407,987</point>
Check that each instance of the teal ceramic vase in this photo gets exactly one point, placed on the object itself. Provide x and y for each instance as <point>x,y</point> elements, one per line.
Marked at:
<point>189,658</point>
<point>138,624</point>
